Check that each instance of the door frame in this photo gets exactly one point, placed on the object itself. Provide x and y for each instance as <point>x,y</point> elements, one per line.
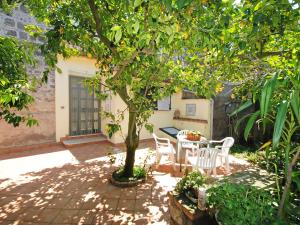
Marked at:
<point>99,106</point>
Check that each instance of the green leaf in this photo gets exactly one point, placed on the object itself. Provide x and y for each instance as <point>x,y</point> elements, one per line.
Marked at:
<point>250,124</point>
<point>157,40</point>
<point>136,26</point>
<point>171,38</point>
<point>115,28</point>
<point>112,128</point>
<point>118,36</point>
<point>295,103</point>
<point>242,107</point>
<point>58,70</point>
<point>258,6</point>
<point>279,122</point>
<point>266,94</point>
<point>137,3</point>
<point>238,122</point>
<point>149,127</point>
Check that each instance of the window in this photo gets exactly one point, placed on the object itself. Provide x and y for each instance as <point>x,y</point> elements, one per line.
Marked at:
<point>190,110</point>
<point>164,104</point>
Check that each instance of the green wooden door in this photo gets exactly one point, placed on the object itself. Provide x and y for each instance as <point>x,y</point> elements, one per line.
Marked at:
<point>84,109</point>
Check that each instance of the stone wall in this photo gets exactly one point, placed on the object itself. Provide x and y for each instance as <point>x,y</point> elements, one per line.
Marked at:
<point>43,108</point>
<point>221,127</point>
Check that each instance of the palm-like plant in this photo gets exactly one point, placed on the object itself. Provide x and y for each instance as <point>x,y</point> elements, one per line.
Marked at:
<point>279,102</point>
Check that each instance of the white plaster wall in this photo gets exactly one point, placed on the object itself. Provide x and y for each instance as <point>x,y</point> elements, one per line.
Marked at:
<point>85,67</point>
<point>74,66</point>
<point>165,118</point>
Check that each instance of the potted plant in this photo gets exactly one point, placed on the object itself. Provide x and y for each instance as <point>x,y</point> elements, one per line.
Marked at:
<point>241,204</point>
<point>193,136</point>
<point>189,185</point>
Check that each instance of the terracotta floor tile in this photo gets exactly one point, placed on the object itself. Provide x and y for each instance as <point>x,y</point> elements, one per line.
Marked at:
<point>123,217</point>
<point>67,216</point>
<point>74,203</point>
<point>110,203</point>
<point>126,204</point>
<point>91,204</point>
<point>144,193</point>
<point>128,193</point>
<point>113,193</point>
<point>86,216</point>
<point>10,215</point>
<point>142,204</point>
<point>104,218</point>
<point>48,215</point>
<point>141,218</point>
<point>29,215</point>
<point>59,203</point>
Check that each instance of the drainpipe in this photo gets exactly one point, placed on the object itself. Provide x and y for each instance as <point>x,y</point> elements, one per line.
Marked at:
<point>211,117</point>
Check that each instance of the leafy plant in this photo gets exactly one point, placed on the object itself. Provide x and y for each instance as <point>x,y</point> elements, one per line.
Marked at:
<point>190,182</point>
<point>283,112</point>
<point>138,173</point>
<point>15,83</point>
<point>241,204</point>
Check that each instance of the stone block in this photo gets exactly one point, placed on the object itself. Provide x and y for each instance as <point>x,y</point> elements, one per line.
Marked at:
<point>23,8</point>
<point>21,26</point>
<point>9,22</point>
<point>23,35</point>
<point>181,215</point>
<point>12,33</point>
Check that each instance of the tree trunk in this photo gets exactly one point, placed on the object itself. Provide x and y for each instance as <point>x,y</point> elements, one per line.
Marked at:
<point>132,142</point>
<point>287,184</point>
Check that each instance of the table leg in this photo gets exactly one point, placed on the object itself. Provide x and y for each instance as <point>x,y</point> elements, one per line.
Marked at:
<point>178,155</point>
<point>178,151</point>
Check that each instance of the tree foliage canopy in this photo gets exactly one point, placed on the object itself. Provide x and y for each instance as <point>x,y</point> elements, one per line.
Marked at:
<point>15,84</point>
<point>149,49</point>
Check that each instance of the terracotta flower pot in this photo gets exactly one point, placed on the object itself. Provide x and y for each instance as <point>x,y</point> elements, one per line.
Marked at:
<point>193,137</point>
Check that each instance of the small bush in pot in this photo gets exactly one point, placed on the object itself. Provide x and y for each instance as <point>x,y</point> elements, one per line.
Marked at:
<point>190,184</point>
<point>193,136</point>
<point>237,204</point>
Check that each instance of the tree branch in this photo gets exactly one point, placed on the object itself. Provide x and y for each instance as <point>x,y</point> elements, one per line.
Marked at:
<point>98,23</point>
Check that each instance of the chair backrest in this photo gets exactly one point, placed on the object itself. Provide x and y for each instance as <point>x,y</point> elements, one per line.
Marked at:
<point>182,133</point>
<point>207,158</point>
<point>227,144</point>
<point>159,142</point>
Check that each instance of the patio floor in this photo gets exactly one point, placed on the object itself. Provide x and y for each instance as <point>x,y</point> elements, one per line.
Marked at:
<point>56,185</point>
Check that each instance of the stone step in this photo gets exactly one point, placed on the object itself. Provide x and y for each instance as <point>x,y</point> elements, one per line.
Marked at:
<point>76,141</point>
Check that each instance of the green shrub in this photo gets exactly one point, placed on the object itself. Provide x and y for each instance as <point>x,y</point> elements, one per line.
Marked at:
<point>241,204</point>
<point>190,182</point>
<point>138,173</point>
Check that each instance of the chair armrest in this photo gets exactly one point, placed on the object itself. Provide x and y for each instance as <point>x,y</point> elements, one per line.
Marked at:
<point>218,147</point>
<point>164,139</point>
<point>213,141</point>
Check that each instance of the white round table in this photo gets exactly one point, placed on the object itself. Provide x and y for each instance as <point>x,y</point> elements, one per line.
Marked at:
<point>182,142</point>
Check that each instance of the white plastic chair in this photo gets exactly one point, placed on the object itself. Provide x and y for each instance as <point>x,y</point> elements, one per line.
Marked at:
<point>164,147</point>
<point>205,159</point>
<point>223,149</point>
